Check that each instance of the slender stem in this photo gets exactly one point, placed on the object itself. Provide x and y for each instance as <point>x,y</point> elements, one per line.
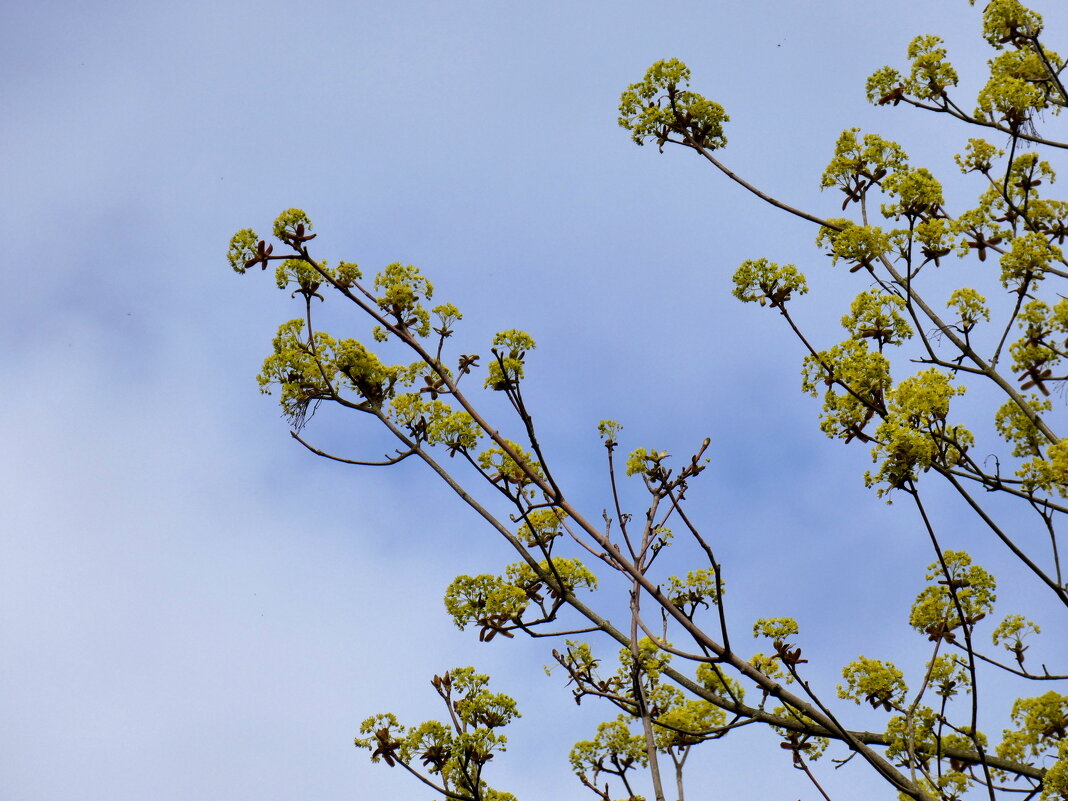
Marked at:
<point>802,765</point>
<point>679,762</point>
<point>804,215</point>
<point>1060,591</point>
<point>677,505</point>
<point>955,112</point>
<point>646,719</point>
<point>637,669</point>
<point>399,458</point>
<point>966,627</point>
<point>1021,673</point>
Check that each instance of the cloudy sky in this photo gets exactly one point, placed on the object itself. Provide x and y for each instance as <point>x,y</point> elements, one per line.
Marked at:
<point>193,607</point>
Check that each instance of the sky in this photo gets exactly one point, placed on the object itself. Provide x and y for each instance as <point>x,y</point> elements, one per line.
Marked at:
<point>191,605</point>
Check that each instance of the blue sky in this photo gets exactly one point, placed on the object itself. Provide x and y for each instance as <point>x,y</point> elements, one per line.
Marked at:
<point>191,606</point>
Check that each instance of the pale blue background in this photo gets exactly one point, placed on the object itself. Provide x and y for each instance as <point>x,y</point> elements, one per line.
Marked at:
<point>193,607</point>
